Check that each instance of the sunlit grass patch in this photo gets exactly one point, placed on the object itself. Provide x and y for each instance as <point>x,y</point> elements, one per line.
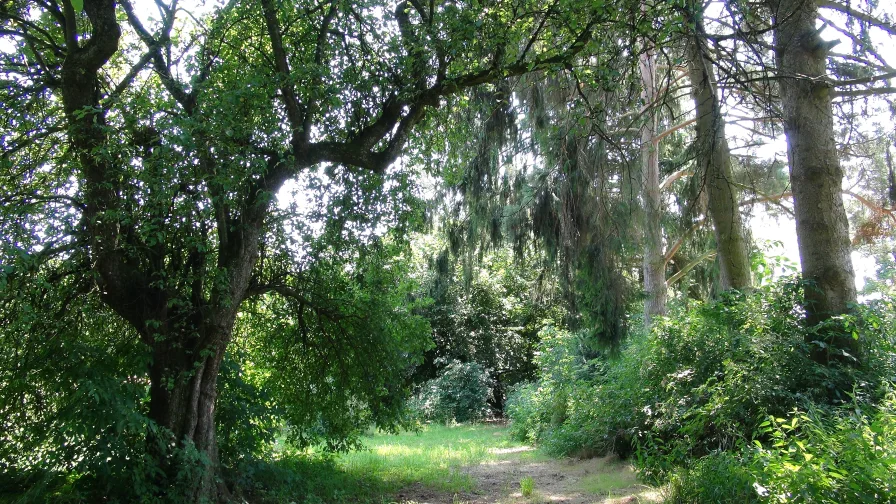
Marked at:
<point>431,457</point>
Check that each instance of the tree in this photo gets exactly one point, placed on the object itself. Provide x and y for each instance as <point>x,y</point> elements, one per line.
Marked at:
<point>654,264</point>
<point>146,156</point>
<point>815,171</point>
<point>713,159</point>
<point>491,319</point>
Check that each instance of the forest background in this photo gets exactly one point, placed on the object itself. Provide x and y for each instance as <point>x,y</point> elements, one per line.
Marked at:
<point>228,223</point>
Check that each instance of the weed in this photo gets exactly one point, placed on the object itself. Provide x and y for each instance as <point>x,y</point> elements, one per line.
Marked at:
<point>527,486</point>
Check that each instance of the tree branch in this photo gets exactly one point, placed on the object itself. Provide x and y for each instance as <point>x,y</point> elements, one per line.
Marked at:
<point>865,92</point>
<point>863,16</point>
<point>287,92</point>
<point>153,44</point>
<point>673,129</point>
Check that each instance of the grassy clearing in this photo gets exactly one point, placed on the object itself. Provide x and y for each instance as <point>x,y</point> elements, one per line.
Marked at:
<point>431,457</point>
<point>448,460</point>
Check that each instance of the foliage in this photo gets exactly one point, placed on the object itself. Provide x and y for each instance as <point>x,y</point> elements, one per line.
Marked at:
<point>721,477</point>
<point>248,419</point>
<point>143,155</point>
<point>491,318</point>
<point>84,419</point>
<point>580,406</point>
<point>335,370</point>
<point>145,245</point>
<point>832,455</point>
<point>461,394</point>
<point>521,409</point>
<point>717,370</point>
<point>689,397</point>
<point>844,455</point>
<point>62,418</point>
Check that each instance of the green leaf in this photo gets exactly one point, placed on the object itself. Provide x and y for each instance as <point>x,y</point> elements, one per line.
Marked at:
<point>78,5</point>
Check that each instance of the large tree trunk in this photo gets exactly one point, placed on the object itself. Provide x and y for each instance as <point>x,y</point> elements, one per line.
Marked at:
<point>714,165</point>
<point>815,172</point>
<point>654,264</point>
<point>188,342</point>
<point>183,390</point>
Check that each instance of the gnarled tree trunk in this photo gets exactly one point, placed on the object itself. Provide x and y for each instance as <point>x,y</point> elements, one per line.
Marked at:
<point>815,171</point>
<point>183,390</point>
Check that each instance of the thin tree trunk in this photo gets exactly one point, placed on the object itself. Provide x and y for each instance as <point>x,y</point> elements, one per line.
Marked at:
<point>654,261</point>
<point>714,164</point>
<point>815,171</point>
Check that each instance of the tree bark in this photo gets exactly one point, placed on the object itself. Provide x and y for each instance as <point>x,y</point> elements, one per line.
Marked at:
<point>815,172</point>
<point>183,390</point>
<point>654,264</point>
<point>714,164</point>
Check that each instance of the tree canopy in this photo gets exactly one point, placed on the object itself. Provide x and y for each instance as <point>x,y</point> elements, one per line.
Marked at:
<point>200,194</point>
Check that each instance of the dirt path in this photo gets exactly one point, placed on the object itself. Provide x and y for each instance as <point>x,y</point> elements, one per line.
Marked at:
<point>603,480</point>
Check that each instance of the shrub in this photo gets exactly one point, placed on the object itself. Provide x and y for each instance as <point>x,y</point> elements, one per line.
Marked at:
<point>701,382</point>
<point>717,369</point>
<point>535,409</point>
<point>818,456</point>
<point>460,394</point>
<point>522,409</point>
<point>579,406</point>
<point>720,478</point>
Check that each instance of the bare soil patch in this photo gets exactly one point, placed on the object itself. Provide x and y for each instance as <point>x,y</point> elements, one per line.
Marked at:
<point>569,481</point>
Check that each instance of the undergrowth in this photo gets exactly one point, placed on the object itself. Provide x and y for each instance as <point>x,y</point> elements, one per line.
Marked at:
<point>722,402</point>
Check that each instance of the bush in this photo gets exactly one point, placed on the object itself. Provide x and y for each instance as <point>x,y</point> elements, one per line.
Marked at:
<point>580,406</point>
<point>690,397</point>
<point>460,394</point>
<point>522,408</point>
<point>844,455</point>
<point>536,408</point>
<point>718,369</point>
<point>720,478</point>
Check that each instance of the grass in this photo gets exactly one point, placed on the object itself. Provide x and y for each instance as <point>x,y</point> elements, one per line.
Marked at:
<point>527,486</point>
<point>616,477</point>
<point>431,458</point>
